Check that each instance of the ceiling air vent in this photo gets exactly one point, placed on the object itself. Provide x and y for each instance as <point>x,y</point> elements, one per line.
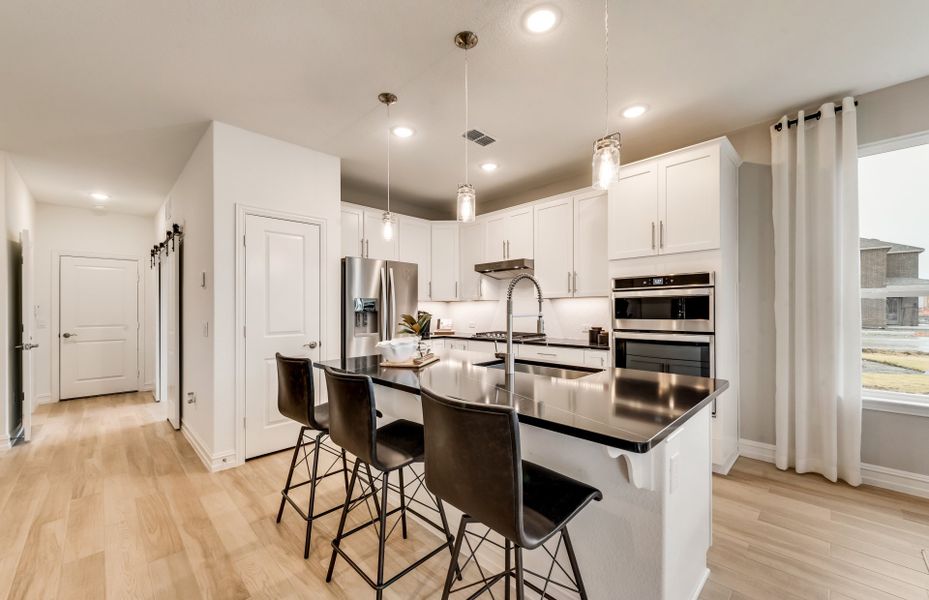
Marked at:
<point>478,137</point>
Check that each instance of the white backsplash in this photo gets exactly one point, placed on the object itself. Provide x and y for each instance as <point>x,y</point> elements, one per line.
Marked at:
<point>564,317</point>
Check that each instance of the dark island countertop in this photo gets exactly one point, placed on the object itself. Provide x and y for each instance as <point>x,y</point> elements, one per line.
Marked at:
<point>622,408</point>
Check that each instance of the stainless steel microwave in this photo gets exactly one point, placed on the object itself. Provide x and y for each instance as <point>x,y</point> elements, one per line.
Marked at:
<point>677,303</point>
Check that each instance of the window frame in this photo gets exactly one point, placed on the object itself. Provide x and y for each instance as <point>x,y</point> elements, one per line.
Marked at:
<point>882,400</point>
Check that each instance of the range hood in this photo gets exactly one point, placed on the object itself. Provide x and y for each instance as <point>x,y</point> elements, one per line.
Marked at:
<point>506,269</point>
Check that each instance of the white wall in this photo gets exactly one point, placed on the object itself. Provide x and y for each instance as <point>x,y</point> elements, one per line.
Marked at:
<point>259,171</point>
<point>66,229</point>
<point>190,204</point>
<point>564,317</point>
<point>17,214</point>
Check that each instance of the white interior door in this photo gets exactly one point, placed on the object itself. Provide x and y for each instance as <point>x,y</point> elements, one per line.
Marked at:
<point>28,317</point>
<point>282,314</point>
<point>99,326</point>
<point>169,380</point>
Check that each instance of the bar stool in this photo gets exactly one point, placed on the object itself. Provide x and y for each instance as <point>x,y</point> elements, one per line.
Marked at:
<point>295,400</point>
<point>473,463</point>
<point>394,447</point>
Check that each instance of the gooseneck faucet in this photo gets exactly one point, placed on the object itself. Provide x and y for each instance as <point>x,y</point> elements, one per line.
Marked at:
<point>509,357</point>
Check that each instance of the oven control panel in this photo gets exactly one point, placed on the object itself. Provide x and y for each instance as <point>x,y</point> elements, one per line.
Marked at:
<point>654,281</point>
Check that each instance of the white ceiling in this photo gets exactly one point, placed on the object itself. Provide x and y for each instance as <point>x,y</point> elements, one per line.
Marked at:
<point>113,94</point>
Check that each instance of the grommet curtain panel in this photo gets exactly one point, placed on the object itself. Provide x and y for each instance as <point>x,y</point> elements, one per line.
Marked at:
<point>817,305</point>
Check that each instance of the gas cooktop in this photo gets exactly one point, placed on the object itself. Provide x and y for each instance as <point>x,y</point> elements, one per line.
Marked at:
<point>523,336</point>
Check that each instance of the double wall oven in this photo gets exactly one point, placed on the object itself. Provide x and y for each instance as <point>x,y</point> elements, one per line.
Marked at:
<point>665,323</point>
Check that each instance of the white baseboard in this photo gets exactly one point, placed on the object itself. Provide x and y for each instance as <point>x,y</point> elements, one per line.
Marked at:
<point>5,442</point>
<point>915,484</point>
<point>756,450</point>
<point>213,462</point>
<point>43,399</point>
<point>723,467</point>
<point>147,386</point>
<point>703,580</point>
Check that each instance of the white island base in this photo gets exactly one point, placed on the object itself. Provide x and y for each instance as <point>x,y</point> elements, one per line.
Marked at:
<point>648,538</point>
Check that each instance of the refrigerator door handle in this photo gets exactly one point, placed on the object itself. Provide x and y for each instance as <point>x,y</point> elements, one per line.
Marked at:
<point>392,314</point>
<point>383,308</point>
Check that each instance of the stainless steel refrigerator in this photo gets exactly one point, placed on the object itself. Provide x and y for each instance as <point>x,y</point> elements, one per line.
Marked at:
<point>375,293</point>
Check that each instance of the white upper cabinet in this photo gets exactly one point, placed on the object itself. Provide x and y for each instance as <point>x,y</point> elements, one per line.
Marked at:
<point>414,237</point>
<point>554,248</point>
<point>471,242</point>
<point>669,204</point>
<point>352,231</point>
<point>688,192</point>
<point>375,244</point>
<point>509,234</point>
<point>633,211</point>
<point>444,261</point>
<point>591,273</point>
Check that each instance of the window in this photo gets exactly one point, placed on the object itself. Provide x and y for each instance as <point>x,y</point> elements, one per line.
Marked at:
<point>893,191</point>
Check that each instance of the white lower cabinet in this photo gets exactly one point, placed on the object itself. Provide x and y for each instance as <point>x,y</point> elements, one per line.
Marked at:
<point>435,344</point>
<point>456,344</point>
<point>562,356</point>
<point>598,359</point>
<point>481,346</point>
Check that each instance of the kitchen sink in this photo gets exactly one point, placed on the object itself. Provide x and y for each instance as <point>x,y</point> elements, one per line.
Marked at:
<point>543,369</point>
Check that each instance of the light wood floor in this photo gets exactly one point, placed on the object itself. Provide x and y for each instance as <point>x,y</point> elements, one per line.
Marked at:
<point>107,501</point>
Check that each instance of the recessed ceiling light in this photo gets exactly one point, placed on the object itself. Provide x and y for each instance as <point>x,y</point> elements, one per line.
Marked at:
<point>541,19</point>
<point>489,167</point>
<point>100,196</point>
<point>635,111</point>
<point>403,132</point>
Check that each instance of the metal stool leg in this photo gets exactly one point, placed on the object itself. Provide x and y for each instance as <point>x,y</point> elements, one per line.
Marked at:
<point>382,537</point>
<point>402,505</point>
<point>338,535</point>
<point>290,474</point>
<point>574,566</point>
<point>309,521</point>
<point>345,470</point>
<point>456,551</point>
<point>520,588</point>
<point>448,536</point>
<point>508,547</point>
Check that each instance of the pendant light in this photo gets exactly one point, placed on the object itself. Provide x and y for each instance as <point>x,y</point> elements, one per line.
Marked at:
<point>467,199</point>
<point>606,149</point>
<point>387,230</point>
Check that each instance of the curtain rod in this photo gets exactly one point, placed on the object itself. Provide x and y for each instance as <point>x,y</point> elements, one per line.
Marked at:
<point>816,115</point>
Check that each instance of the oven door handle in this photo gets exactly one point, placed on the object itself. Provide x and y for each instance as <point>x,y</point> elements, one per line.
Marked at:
<point>700,291</point>
<point>664,337</point>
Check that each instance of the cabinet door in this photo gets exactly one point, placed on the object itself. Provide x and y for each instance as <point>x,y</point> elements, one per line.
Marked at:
<point>445,260</point>
<point>375,244</point>
<point>471,251</point>
<point>633,212</point>
<point>519,233</point>
<point>495,239</point>
<point>591,273</point>
<point>554,252</point>
<point>688,190</point>
<point>352,231</point>
<point>415,238</point>
<point>481,346</point>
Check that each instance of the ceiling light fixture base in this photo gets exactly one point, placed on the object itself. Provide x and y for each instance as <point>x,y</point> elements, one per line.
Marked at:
<point>466,40</point>
<point>387,98</point>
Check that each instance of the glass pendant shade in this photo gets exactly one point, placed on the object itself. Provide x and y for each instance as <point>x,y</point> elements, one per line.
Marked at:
<point>606,161</point>
<point>388,226</point>
<point>466,203</point>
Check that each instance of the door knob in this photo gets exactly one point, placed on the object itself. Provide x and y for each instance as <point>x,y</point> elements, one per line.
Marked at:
<point>68,335</point>
<point>310,345</point>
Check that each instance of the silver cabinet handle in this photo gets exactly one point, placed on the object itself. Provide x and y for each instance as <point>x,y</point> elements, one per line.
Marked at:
<point>430,288</point>
<point>546,354</point>
<point>456,290</point>
<point>362,247</point>
<point>653,235</point>
<point>480,288</point>
<point>575,282</point>
<point>68,335</point>
<point>504,248</point>
<point>508,248</point>
<point>569,282</point>
<point>661,234</point>
<point>311,345</point>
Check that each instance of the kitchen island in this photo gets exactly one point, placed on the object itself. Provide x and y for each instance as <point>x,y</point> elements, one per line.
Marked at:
<point>642,438</point>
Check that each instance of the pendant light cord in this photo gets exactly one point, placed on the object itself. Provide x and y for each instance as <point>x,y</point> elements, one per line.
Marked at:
<point>388,158</point>
<point>606,63</point>
<point>466,117</point>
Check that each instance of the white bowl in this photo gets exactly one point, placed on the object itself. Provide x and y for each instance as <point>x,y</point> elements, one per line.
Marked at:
<point>398,349</point>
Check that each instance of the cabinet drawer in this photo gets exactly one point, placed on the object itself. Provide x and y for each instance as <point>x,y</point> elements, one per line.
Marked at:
<point>435,344</point>
<point>456,344</point>
<point>481,346</point>
<point>563,356</point>
<point>599,359</point>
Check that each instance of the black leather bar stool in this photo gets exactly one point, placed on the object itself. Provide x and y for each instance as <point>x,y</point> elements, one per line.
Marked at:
<point>295,400</point>
<point>394,447</point>
<point>473,462</point>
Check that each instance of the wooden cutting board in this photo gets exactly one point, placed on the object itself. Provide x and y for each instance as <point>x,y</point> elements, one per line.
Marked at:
<point>411,363</point>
